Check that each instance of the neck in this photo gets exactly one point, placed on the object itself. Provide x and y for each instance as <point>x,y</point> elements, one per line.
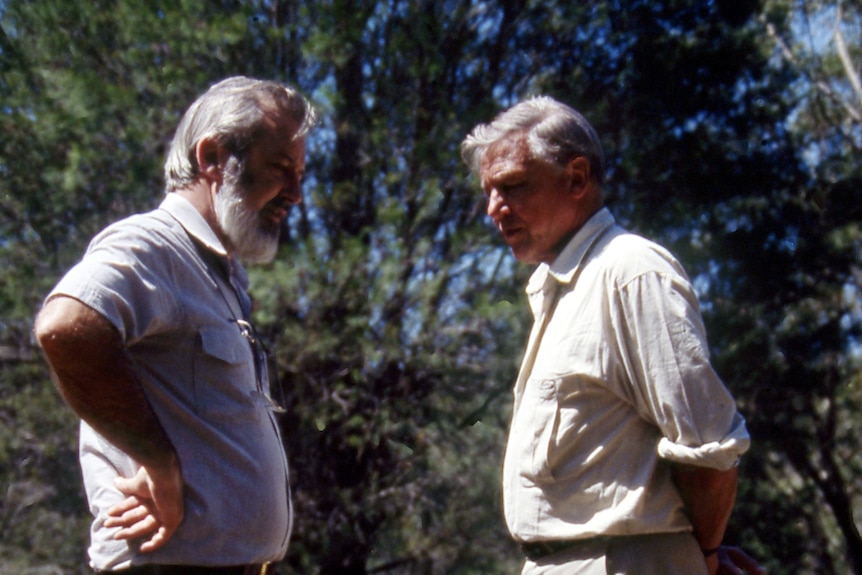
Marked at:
<point>201,194</point>
<point>589,212</point>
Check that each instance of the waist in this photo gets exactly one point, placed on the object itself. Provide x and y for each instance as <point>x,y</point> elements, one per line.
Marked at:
<point>536,550</point>
<point>153,569</point>
<point>591,547</point>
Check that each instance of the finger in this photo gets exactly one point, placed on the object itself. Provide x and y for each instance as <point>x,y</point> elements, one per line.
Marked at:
<point>124,506</point>
<point>160,537</point>
<point>132,486</point>
<point>712,565</point>
<point>161,491</point>
<point>130,517</point>
<point>744,561</point>
<point>143,528</point>
<point>169,506</point>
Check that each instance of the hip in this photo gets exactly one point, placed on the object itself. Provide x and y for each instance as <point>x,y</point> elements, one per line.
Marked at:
<point>654,554</point>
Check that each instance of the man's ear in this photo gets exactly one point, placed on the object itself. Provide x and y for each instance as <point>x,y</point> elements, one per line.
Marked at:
<point>578,170</point>
<point>211,157</point>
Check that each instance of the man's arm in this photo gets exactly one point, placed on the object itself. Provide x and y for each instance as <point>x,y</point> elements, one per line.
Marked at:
<point>709,495</point>
<point>93,372</point>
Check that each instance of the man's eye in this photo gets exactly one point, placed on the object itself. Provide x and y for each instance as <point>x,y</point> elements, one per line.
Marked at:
<point>509,189</point>
<point>286,171</point>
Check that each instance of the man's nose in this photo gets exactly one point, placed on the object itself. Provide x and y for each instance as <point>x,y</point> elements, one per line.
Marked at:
<point>291,190</point>
<point>496,204</point>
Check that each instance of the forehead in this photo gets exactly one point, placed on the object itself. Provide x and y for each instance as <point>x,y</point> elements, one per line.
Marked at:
<point>507,150</point>
<point>508,154</point>
<point>277,140</point>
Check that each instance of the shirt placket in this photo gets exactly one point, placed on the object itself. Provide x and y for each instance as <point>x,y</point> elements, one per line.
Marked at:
<point>542,305</point>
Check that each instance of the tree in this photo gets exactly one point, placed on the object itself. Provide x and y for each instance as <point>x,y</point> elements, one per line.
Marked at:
<point>390,365</point>
<point>707,158</point>
<point>816,329</point>
<point>397,317</point>
<point>89,95</point>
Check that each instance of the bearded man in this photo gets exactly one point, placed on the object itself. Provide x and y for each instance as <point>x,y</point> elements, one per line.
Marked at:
<point>150,342</point>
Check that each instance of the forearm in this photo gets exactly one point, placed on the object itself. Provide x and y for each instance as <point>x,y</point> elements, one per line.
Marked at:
<point>94,374</point>
<point>709,496</point>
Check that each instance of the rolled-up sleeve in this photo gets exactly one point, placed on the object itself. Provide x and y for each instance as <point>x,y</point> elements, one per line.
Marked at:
<point>723,454</point>
<point>673,384</point>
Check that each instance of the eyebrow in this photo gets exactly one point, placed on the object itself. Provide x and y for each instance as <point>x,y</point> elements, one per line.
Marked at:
<point>506,172</point>
<point>287,159</point>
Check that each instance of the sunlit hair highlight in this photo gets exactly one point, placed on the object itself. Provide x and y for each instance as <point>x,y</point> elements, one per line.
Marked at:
<point>233,112</point>
<point>555,133</point>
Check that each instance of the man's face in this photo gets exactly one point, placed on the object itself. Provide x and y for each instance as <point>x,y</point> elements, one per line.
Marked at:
<point>256,195</point>
<point>529,200</point>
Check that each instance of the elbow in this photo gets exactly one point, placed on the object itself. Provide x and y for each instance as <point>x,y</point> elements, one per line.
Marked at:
<point>46,329</point>
<point>50,329</point>
<point>63,329</point>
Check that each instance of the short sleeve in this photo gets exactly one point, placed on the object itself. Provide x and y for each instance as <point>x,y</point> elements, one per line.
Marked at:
<point>122,277</point>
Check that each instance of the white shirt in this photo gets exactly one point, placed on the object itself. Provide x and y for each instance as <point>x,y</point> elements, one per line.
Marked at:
<point>155,276</point>
<point>616,377</point>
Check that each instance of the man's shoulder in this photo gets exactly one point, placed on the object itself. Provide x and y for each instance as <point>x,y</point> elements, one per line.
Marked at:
<point>150,242</point>
<point>157,217</point>
<point>627,255</point>
<point>145,227</point>
<point>619,238</point>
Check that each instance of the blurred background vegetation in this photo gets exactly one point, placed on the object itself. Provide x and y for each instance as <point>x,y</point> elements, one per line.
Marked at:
<point>732,129</point>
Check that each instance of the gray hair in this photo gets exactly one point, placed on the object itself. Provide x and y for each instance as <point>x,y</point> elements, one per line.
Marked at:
<point>233,112</point>
<point>555,133</point>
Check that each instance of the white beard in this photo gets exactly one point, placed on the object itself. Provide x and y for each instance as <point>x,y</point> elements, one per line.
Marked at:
<point>251,242</point>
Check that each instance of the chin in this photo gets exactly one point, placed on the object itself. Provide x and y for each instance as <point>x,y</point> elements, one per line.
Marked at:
<point>257,248</point>
<point>522,253</point>
<point>524,258</point>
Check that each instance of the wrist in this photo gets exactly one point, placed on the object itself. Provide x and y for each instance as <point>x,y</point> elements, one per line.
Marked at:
<point>710,552</point>
<point>167,464</point>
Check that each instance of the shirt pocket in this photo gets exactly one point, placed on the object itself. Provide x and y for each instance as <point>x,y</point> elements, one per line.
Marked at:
<point>224,375</point>
<point>537,429</point>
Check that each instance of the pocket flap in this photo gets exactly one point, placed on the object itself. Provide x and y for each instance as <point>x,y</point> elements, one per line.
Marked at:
<point>223,344</point>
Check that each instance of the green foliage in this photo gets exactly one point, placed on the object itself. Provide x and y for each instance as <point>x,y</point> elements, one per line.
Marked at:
<point>397,317</point>
<point>42,528</point>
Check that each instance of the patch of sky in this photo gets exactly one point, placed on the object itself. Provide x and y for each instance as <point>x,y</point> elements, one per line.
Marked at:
<point>790,241</point>
<point>852,299</point>
<point>692,124</point>
<point>851,320</point>
<point>815,27</point>
<point>814,40</point>
<point>703,282</point>
<point>488,22</point>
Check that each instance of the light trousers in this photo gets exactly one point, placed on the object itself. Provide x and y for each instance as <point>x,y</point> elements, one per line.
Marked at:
<point>661,554</point>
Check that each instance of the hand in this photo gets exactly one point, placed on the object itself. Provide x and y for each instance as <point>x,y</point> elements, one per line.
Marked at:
<point>732,561</point>
<point>153,508</point>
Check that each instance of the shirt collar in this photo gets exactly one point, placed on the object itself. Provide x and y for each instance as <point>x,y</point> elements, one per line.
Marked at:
<point>564,267</point>
<point>193,222</point>
<point>197,227</point>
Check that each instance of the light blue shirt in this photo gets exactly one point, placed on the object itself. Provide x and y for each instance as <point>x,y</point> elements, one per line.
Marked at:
<point>155,277</point>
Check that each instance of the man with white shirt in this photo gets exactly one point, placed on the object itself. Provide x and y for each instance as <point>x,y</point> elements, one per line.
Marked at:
<point>624,442</point>
<point>150,342</point>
